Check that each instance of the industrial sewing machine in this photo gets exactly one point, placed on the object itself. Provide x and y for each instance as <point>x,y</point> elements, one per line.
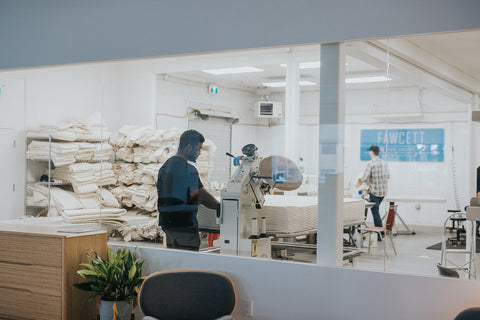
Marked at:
<point>243,199</point>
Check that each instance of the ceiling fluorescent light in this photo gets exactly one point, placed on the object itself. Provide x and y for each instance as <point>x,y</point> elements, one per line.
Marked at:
<point>306,65</point>
<point>283,84</point>
<point>367,79</point>
<point>232,70</point>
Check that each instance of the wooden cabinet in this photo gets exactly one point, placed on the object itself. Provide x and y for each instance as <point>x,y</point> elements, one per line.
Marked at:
<point>38,266</point>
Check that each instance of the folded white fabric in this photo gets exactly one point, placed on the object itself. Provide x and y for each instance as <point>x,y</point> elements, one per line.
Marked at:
<point>125,172</point>
<point>125,154</point>
<point>108,199</point>
<point>90,200</point>
<point>80,175</point>
<point>61,153</point>
<point>104,174</point>
<point>102,151</point>
<point>53,132</point>
<point>64,200</point>
<point>85,151</point>
<point>107,216</point>
<point>136,232</point>
<point>37,195</point>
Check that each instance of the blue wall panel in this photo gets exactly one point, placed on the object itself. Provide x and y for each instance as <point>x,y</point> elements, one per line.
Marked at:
<point>404,144</point>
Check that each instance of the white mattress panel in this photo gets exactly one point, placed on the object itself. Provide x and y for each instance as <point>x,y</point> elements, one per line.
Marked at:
<point>289,214</point>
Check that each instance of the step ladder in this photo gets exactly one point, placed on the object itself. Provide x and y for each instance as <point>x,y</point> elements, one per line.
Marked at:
<point>470,246</point>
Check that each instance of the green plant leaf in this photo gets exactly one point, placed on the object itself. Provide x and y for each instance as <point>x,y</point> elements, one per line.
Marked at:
<point>84,273</point>
<point>132,272</point>
<point>114,279</point>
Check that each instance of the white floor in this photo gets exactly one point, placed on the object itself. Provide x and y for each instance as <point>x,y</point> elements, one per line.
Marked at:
<point>413,257</point>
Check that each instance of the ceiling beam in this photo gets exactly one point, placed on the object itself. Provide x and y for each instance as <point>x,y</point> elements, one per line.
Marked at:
<point>403,68</point>
<point>416,55</point>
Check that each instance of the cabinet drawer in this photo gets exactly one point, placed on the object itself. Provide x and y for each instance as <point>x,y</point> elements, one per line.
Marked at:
<point>19,304</point>
<point>35,279</point>
<point>44,251</point>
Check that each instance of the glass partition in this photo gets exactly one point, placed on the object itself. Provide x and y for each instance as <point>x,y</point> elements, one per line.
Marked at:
<point>276,126</point>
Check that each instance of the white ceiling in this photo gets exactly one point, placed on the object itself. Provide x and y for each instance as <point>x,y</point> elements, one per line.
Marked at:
<point>448,60</point>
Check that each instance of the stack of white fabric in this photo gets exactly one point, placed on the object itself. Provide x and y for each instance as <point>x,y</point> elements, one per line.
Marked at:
<point>37,195</point>
<point>125,172</point>
<point>62,153</point>
<point>130,135</point>
<point>107,199</point>
<point>145,197</point>
<point>85,151</point>
<point>124,194</point>
<point>125,154</point>
<point>142,196</point>
<point>102,151</point>
<point>104,174</point>
<point>143,155</point>
<point>149,231</point>
<point>149,172</point>
<point>144,144</point>
<point>61,200</point>
<point>80,175</point>
<point>112,216</point>
<point>91,128</point>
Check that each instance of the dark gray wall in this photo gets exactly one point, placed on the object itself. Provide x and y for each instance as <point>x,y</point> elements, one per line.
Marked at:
<point>46,32</point>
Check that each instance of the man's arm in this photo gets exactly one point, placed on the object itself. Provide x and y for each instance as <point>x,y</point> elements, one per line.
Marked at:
<point>205,198</point>
<point>367,172</point>
<point>365,176</point>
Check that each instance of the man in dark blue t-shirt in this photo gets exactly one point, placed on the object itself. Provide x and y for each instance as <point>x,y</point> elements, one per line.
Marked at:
<point>179,192</point>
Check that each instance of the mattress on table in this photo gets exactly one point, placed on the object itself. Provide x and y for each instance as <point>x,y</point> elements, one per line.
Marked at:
<point>289,214</point>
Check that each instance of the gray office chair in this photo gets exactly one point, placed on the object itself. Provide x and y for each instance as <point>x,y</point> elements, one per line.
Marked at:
<point>186,295</point>
<point>469,314</point>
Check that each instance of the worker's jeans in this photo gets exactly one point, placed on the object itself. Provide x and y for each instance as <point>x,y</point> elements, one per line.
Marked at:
<point>375,210</point>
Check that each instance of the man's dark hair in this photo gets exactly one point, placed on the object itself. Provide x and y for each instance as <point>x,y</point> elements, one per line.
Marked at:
<point>375,149</point>
<point>190,137</point>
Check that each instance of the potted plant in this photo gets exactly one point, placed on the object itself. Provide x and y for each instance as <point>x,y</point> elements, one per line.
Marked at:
<point>115,281</point>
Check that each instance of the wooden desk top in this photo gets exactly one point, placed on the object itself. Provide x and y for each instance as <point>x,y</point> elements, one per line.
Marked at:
<point>51,230</point>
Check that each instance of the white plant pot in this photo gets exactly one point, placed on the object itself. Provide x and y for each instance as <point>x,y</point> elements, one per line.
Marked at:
<point>106,310</point>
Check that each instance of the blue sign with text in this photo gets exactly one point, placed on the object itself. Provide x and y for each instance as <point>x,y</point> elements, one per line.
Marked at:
<point>404,144</point>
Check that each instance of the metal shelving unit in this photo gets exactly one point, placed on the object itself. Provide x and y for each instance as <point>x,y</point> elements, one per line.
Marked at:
<point>49,167</point>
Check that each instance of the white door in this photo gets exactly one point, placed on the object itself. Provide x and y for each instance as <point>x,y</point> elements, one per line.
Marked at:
<point>12,159</point>
<point>7,170</point>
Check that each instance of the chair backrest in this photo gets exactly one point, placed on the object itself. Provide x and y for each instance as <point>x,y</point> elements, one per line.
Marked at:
<point>187,294</point>
<point>391,217</point>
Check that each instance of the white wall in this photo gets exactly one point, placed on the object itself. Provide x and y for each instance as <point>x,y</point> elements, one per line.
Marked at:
<point>414,180</point>
<point>288,290</point>
<point>176,97</point>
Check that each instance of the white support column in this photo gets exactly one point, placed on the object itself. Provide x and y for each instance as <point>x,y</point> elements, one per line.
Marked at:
<point>292,107</point>
<point>331,148</point>
<point>473,161</point>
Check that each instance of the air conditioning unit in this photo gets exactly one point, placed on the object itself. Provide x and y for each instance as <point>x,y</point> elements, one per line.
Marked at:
<point>269,109</point>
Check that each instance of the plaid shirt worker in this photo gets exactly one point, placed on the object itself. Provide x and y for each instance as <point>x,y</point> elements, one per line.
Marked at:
<point>376,175</point>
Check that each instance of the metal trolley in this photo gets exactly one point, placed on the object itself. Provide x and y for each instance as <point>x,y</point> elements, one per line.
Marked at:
<point>470,246</point>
